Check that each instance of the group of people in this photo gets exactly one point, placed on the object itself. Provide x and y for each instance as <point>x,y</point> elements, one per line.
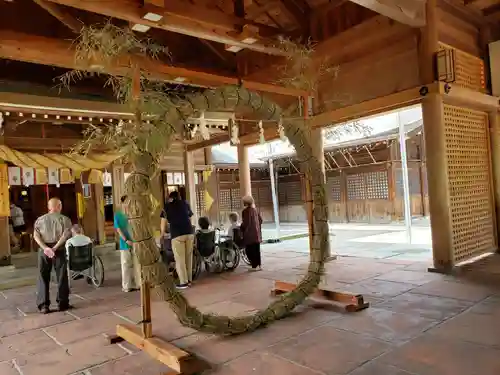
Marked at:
<point>176,221</point>
<point>54,234</point>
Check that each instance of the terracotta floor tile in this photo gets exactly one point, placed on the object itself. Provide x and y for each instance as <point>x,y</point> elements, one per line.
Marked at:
<point>375,368</point>
<point>477,328</point>
<point>83,328</point>
<point>135,364</point>
<point>10,313</point>
<point>71,358</point>
<point>262,364</point>
<point>490,306</point>
<point>409,277</point>
<point>432,307</point>
<point>32,321</point>
<point>383,324</point>
<point>229,308</point>
<point>431,355</point>
<point>7,368</point>
<point>451,289</point>
<point>380,288</point>
<point>217,350</point>
<point>86,308</point>
<point>330,350</point>
<point>27,343</point>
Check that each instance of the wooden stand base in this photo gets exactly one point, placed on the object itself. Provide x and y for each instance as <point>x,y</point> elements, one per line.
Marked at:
<point>354,302</point>
<point>141,336</point>
<point>177,359</point>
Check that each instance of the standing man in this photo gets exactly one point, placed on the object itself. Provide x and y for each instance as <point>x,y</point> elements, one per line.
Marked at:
<point>51,232</point>
<point>130,267</point>
<point>178,215</point>
<point>17,215</point>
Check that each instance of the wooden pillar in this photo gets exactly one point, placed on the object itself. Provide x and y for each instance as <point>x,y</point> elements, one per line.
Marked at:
<point>244,171</point>
<point>437,181</point>
<point>429,44</point>
<point>495,165</point>
<point>211,188</point>
<point>118,183</point>
<point>99,212</point>
<point>5,256</point>
<point>189,182</point>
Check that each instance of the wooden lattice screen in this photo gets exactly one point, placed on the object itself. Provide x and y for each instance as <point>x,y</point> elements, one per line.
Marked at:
<point>368,185</point>
<point>290,193</point>
<point>200,201</point>
<point>469,176</point>
<point>469,70</point>
<point>333,188</point>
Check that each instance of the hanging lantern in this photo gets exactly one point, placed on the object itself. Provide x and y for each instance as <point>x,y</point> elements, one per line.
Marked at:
<point>234,130</point>
<point>281,130</point>
<point>205,133</point>
<point>262,139</point>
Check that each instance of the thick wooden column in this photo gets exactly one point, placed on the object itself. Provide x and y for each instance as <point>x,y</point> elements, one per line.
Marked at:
<point>118,183</point>
<point>438,181</point>
<point>4,216</point>
<point>211,188</point>
<point>495,165</point>
<point>244,171</point>
<point>190,183</point>
<point>99,212</point>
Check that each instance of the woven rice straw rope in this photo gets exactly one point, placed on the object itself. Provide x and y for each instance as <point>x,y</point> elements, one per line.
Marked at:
<point>139,208</point>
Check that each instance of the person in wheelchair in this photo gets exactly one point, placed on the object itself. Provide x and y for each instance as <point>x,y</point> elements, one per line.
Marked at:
<point>205,238</point>
<point>78,238</point>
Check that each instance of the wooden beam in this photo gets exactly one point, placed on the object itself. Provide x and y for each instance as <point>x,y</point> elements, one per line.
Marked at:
<point>66,19</point>
<point>34,49</point>
<point>181,20</point>
<point>461,96</point>
<point>37,143</point>
<point>367,108</point>
<point>410,12</point>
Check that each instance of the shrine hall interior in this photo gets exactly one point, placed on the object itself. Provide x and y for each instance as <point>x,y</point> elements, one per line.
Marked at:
<point>384,56</point>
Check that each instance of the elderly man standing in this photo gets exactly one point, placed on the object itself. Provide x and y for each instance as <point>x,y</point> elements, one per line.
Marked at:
<point>51,232</point>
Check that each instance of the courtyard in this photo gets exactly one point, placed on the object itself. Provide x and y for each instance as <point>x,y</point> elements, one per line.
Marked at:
<point>419,323</point>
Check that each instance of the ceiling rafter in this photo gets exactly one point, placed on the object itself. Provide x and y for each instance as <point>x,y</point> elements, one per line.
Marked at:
<point>183,18</point>
<point>35,49</point>
<point>66,19</point>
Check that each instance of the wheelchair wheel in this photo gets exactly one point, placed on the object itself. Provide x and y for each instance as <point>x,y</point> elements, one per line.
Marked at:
<point>96,277</point>
<point>197,261</point>
<point>231,258</point>
<point>243,255</point>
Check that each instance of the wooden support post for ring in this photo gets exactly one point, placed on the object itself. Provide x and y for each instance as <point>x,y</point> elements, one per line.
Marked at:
<point>141,336</point>
<point>353,302</point>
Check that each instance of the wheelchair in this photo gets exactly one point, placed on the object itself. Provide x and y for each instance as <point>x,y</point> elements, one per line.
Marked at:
<point>168,258</point>
<point>83,263</point>
<point>218,255</point>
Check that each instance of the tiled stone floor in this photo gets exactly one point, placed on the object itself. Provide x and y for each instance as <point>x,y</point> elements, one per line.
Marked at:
<point>419,323</point>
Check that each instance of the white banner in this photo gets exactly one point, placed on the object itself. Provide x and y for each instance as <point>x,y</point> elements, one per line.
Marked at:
<point>53,176</point>
<point>28,176</point>
<point>14,176</point>
<point>107,179</point>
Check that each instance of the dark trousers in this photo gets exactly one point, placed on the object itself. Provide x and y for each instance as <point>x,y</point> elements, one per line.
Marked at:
<point>253,254</point>
<point>45,269</point>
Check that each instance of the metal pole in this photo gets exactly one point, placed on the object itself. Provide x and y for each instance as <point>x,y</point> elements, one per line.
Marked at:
<point>275,198</point>
<point>406,184</point>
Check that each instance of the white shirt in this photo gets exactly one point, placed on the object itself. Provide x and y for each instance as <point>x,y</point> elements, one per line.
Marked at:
<point>230,231</point>
<point>17,215</point>
<point>78,240</point>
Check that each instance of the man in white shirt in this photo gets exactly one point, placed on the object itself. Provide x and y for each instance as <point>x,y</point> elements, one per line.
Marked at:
<point>78,238</point>
<point>17,216</point>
